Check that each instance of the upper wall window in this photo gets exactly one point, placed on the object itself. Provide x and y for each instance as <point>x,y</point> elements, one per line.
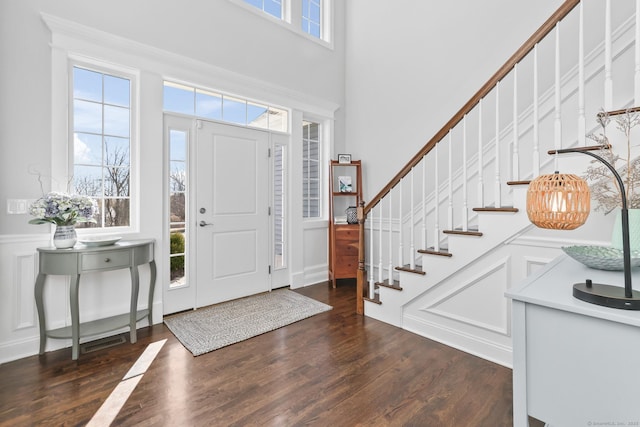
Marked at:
<point>206,104</point>
<point>272,7</point>
<point>311,17</point>
<point>102,123</point>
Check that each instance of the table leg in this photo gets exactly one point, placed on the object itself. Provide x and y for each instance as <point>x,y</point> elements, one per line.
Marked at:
<point>133,310</point>
<point>152,285</point>
<point>39,286</point>
<point>75,318</point>
<point>518,320</point>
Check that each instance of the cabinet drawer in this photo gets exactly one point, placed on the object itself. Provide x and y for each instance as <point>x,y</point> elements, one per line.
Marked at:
<point>350,234</point>
<point>346,249</point>
<point>105,260</point>
<point>347,267</point>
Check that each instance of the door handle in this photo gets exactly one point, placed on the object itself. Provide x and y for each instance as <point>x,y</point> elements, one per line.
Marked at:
<point>204,223</point>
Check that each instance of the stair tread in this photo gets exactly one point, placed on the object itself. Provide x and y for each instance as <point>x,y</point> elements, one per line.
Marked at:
<point>500,209</point>
<point>469,232</point>
<point>385,283</point>
<point>432,251</point>
<point>408,269</point>
<point>375,300</point>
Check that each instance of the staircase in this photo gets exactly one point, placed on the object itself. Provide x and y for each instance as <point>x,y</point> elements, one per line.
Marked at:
<point>449,234</point>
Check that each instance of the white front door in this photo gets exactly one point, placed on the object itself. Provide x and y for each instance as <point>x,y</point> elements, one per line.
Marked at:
<point>232,212</point>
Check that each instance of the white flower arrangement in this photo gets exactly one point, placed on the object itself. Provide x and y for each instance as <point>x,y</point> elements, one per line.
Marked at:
<point>604,187</point>
<point>63,209</point>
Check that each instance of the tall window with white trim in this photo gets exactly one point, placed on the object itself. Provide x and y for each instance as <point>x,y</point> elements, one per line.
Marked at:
<point>311,170</point>
<point>102,120</point>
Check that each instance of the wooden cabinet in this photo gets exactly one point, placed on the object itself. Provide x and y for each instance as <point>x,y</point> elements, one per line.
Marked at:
<point>345,183</point>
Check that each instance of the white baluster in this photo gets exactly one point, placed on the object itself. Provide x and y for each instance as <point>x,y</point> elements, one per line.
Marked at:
<point>412,258</point>
<point>401,233</point>
<point>582,123</point>
<point>450,209</point>
<point>390,236</point>
<point>515,161</point>
<point>380,270</point>
<point>480,158</point>
<point>436,216</point>
<point>558,118</point>
<point>536,116</point>
<point>636,86</point>
<point>424,201</point>
<point>608,80</point>
<point>465,211</point>
<point>372,282</point>
<point>498,189</point>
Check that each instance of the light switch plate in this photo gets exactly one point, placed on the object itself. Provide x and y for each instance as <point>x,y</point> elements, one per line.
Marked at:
<point>17,206</point>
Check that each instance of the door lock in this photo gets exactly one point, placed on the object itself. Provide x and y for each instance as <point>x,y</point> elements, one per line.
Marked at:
<point>202,210</point>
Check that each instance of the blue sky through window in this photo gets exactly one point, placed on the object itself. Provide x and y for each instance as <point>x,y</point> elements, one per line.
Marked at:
<point>215,106</point>
<point>311,17</point>
<point>272,7</point>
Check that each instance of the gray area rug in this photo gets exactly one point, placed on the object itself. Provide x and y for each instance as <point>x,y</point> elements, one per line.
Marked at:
<point>210,328</point>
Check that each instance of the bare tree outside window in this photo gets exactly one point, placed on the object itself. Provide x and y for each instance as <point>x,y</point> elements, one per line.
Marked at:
<point>101,123</point>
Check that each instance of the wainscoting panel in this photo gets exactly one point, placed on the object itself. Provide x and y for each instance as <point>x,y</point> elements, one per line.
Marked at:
<point>25,268</point>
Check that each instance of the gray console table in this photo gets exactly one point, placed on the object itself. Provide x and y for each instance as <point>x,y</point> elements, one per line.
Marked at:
<point>574,363</point>
<point>81,259</point>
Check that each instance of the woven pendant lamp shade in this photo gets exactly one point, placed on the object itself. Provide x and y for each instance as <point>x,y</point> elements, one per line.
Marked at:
<point>558,201</point>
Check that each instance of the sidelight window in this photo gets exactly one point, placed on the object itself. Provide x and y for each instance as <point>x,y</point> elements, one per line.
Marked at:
<point>311,169</point>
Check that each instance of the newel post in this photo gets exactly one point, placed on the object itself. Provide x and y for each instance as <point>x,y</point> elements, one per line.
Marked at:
<point>361,276</point>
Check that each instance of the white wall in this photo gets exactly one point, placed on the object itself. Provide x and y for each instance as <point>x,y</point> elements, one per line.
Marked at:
<point>217,44</point>
<point>411,65</point>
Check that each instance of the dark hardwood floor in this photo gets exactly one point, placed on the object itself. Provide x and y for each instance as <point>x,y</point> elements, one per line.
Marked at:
<point>334,369</point>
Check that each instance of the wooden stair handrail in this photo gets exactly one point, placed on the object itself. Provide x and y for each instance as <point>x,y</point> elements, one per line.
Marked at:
<point>545,29</point>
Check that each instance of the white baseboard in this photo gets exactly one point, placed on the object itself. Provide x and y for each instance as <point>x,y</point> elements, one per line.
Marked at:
<point>474,345</point>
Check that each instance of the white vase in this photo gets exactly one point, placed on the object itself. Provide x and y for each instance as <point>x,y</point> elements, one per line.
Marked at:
<point>634,230</point>
<point>64,237</point>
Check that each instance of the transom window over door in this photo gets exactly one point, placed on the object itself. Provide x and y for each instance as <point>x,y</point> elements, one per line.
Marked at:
<point>206,104</point>
<point>102,143</point>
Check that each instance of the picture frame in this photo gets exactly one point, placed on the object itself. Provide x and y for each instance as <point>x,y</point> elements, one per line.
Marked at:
<point>344,158</point>
<point>344,184</point>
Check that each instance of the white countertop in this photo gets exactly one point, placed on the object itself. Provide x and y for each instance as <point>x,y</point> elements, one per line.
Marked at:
<point>552,286</point>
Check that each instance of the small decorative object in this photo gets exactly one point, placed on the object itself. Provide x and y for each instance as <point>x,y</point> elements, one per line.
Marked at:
<point>601,257</point>
<point>64,211</point>
<point>94,241</point>
<point>558,201</point>
<point>65,236</point>
<point>344,184</point>
<point>352,215</point>
<point>344,158</point>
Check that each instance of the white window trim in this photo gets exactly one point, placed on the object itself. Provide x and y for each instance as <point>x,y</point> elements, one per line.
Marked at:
<point>325,147</point>
<point>292,19</point>
<point>62,169</point>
